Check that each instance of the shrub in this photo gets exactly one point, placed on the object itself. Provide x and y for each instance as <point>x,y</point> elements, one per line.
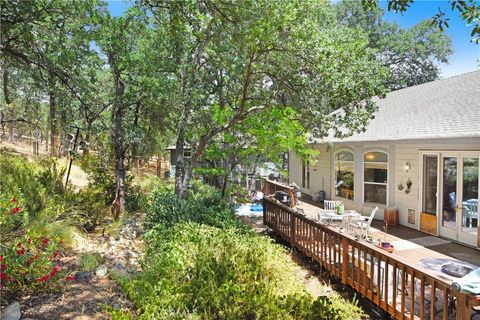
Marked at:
<point>201,262</point>
<point>90,261</point>
<point>46,202</point>
<point>203,205</point>
<point>29,260</point>
<point>239,194</point>
<point>202,272</point>
<point>102,179</point>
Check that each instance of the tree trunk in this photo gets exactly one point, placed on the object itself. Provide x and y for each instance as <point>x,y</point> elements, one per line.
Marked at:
<point>180,170</point>
<point>52,114</point>
<point>53,127</point>
<point>118,139</point>
<point>88,132</point>
<point>6,95</point>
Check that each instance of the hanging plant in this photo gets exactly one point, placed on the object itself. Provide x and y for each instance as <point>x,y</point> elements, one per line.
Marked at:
<point>400,186</point>
<point>409,185</point>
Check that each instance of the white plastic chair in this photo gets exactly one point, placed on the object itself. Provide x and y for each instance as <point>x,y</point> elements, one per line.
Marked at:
<point>331,205</point>
<point>366,222</point>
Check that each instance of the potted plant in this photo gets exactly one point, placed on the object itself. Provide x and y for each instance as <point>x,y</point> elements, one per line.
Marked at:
<point>409,185</point>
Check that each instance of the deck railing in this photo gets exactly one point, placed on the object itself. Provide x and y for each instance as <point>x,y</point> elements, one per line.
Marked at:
<point>270,187</point>
<point>402,290</point>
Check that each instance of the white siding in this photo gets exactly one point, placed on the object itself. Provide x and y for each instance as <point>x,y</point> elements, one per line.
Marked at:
<point>410,152</point>
<point>404,201</point>
<point>294,169</point>
<point>319,173</point>
<point>399,154</point>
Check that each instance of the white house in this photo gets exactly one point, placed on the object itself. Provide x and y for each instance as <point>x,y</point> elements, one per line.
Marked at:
<point>420,154</point>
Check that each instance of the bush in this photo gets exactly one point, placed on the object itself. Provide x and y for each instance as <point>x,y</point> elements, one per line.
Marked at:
<point>201,262</point>
<point>39,217</point>
<point>29,260</point>
<point>203,205</point>
<point>239,194</point>
<point>41,188</point>
<point>46,202</point>
<point>90,261</point>
<point>102,179</point>
<point>202,272</point>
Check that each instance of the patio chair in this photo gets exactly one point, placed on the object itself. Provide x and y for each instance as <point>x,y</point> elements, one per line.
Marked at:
<point>331,205</point>
<point>365,222</point>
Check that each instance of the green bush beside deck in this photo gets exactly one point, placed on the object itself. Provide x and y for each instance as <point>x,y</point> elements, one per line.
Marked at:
<point>203,263</point>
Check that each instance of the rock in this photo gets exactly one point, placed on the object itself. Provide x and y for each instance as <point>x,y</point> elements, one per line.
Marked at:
<point>132,254</point>
<point>109,256</point>
<point>83,276</point>
<point>121,273</point>
<point>119,264</point>
<point>116,306</point>
<point>12,312</point>
<point>101,271</point>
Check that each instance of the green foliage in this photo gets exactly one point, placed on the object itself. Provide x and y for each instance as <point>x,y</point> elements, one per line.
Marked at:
<point>102,180</point>
<point>413,55</point>
<point>40,187</point>
<point>239,194</point>
<point>90,261</point>
<point>203,205</point>
<point>29,259</point>
<point>150,183</point>
<point>201,262</point>
<point>195,271</point>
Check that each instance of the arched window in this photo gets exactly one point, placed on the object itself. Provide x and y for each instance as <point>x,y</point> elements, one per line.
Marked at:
<point>344,174</point>
<point>375,177</point>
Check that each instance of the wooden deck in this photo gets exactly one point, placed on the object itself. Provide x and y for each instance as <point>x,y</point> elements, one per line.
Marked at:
<point>403,283</point>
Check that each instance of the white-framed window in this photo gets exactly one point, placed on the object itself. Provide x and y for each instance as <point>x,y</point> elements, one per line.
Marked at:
<point>344,174</point>
<point>375,177</point>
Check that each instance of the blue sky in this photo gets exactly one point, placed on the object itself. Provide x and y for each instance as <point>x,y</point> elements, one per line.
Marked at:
<point>466,54</point>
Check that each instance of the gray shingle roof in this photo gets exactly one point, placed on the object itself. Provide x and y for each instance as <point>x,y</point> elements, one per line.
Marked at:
<point>447,108</point>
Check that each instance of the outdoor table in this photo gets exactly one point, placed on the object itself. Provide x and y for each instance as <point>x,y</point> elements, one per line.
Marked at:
<point>345,221</point>
<point>435,266</point>
<point>332,215</point>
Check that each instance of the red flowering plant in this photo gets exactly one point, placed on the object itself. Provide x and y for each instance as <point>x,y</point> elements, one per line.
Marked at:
<point>29,260</point>
<point>11,215</point>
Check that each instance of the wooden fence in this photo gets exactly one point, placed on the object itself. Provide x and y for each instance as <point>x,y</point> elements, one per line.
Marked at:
<point>402,290</point>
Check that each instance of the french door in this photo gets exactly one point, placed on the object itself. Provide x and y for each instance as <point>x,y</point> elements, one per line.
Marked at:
<point>459,196</point>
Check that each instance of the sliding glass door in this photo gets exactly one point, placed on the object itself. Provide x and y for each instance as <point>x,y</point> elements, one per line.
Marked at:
<point>469,201</point>
<point>459,186</point>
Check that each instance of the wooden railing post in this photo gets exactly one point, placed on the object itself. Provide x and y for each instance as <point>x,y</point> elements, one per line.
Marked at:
<point>292,229</point>
<point>344,246</point>
<point>265,204</point>
<point>461,305</point>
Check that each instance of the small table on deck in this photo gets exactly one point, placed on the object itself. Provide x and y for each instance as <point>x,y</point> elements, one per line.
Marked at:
<point>346,220</point>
